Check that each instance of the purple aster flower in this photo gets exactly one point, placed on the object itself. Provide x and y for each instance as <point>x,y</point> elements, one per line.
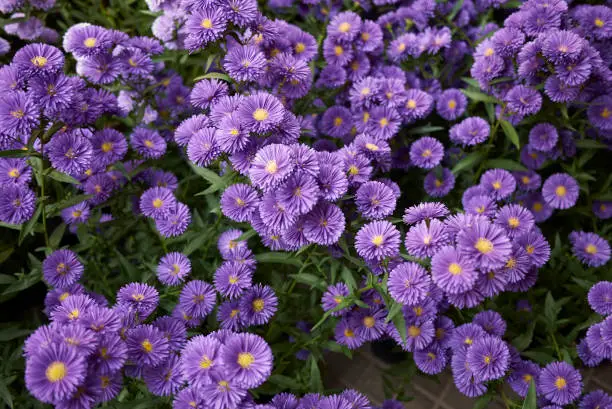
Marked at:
<point>521,376</point>
<point>108,146</point>
<point>333,297</point>
<point>431,360</point>
<point>222,391</point>
<point>590,248</point>
<point>148,143</point>
<point>38,59</point>
<point>157,202</point>
<point>375,200</point>
<point>523,100</point>
<point>515,219</point>
<point>70,152</point>
<point>356,400</point>
<point>465,335</point>
<point>260,112</point>
<point>147,345</point>
<point>324,224</point>
<point>176,221</point>
<point>197,298</point>
<point>600,297</point>
<point>207,93</point>
<point>275,217</point>
<point>336,121</point>
<point>203,26</point>
<point>244,63</point>
<point>231,137</point>
<point>239,201</point>
<point>587,356</point>
<point>492,322</point>
<point>539,208</point>
<point>424,239</point>
<point>488,358</point>
<point>595,399</point>
<point>299,194</point>
<point>439,182</point>
<point>81,339</point>
<point>199,358</point>
<point>498,183</point>
<point>528,180</point>
<point>492,282</point>
<point>370,324</point>
<point>84,40</point>
<point>331,76</point>
<point>188,127</point>
<point>202,148</point>
<point>486,243</point>
<point>139,298</point>
<point>173,268</point>
<point>15,172</point>
<point>165,379</point>
<point>518,265</point>
<point>174,330</point>
<point>543,137</point>
<point>272,164</point>
<point>426,152</point>
<point>189,398</point>
<point>345,333</point>
<point>344,27</point>
<point>258,305</point>
<point>62,268</point>
<point>560,191</point>
<point>247,359</point>
<point>102,320</point>
<point>54,373</point>
<point>233,278</point>
<point>408,283</point>
<point>483,205</point>
<point>17,204</point>
<point>599,112</point>
<point>229,244</point>
<point>332,181</point>
<point>561,46</point>
<point>377,240</point>
<point>598,341</point>
<point>384,123</point>
<point>336,53</point>
<point>424,211</point>
<point>453,272</point>
<point>602,209</point>
<point>228,315</point>
<point>418,105</point>
<point>471,131</point>
<point>451,104</point>
<point>560,383</point>
<point>419,335</point>
<point>110,354</point>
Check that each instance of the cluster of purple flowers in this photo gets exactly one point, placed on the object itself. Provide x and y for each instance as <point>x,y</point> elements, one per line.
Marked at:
<point>550,44</point>
<point>27,26</point>
<point>596,346</point>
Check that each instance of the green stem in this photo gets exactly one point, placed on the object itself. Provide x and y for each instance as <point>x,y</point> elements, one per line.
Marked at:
<point>43,200</point>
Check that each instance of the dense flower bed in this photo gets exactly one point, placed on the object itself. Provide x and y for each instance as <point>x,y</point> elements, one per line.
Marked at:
<point>215,195</point>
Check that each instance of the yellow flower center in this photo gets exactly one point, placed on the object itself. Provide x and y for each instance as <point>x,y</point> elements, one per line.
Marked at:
<point>527,378</point>
<point>383,122</point>
<point>487,359</point>
<point>371,146</point>
<point>157,203</point>
<point>411,104</point>
<point>224,385</point>
<point>14,173</point>
<point>529,249</point>
<point>514,222</point>
<point>414,331</point>
<point>64,296</point>
<point>454,269</point>
<point>132,63</point>
<point>206,23</point>
<point>537,206</point>
<point>485,246</point>
<point>337,121</point>
<point>39,61</point>
<point>452,104</point>
<point>401,47</point>
<point>355,65</point>
<point>104,381</point>
<point>426,153</point>
<point>74,314</point>
<point>418,311</point>
<point>338,50</point>
<point>258,305</point>
<point>138,297</point>
<point>438,182</point>
<point>525,180</point>
<point>468,341</point>
<point>561,191</point>
<point>338,299</point>
<point>349,333</point>
<point>234,313</point>
<point>365,91</point>
<point>598,22</point>
<point>89,42</point>
<point>147,346</point>
<point>511,263</point>
<point>260,114</point>
<point>591,249</point>
<point>489,52</point>
<point>271,166</point>
<point>18,114</point>
<point>431,355</point>
<point>497,185</point>
<point>300,48</point>
<point>369,322</point>
<point>344,27</point>
<point>148,143</point>
<point>560,383</point>
<point>377,240</point>
<point>353,170</point>
<point>56,371</point>
<point>245,359</point>
<point>107,146</point>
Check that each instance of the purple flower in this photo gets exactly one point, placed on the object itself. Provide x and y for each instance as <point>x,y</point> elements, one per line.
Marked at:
<point>199,358</point>
<point>345,333</point>
<point>426,152</point>
<point>344,27</point>
<point>408,283</point>
<point>147,345</point>
<point>336,121</point>
<point>299,194</point>
<point>599,112</point>
<point>523,100</point>
<point>260,112</point>
<point>244,63</point>
<point>165,379</point>
<point>62,268</point>
<point>498,183</point>
<point>247,359</point>
<point>70,152</point>
<point>521,376</point>
<point>157,202</point>
<point>324,224</point>
<point>451,104</point>
<point>375,200</point>
<point>560,191</point>
<point>335,53</point>
<point>471,131</point>
<point>487,244</point>
<point>202,148</point>
<point>271,166</point>
<point>197,298</point>
<point>173,268</point>
<point>492,322</point>
<point>222,391</point>
<point>515,219</point>
<point>206,93</point>
<point>595,399</point>
<point>148,143</point>
<point>232,278</point>
<point>17,204</point>
<point>239,201</point>
<point>258,305</point>
<point>139,298</point>
<point>424,211</point>
<point>419,335</point>
<point>108,146</point>
<point>488,358</point>
<point>377,240</point>
<point>38,59</point>
<point>333,297</point>
<point>453,272</point>
<point>431,360</point>
<point>590,248</point>
<point>600,297</point>
<point>418,105</point>
<point>527,180</point>
<point>562,46</point>
<point>543,137</point>
<point>560,383</point>
<point>188,127</point>
<point>439,182</point>
<point>425,238</point>
<point>176,221</point>
<point>15,172</point>
<point>602,209</point>
<point>332,182</point>
<point>53,374</point>
<point>203,26</point>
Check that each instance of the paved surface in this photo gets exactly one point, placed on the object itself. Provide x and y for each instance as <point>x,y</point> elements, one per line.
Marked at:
<point>365,373</point>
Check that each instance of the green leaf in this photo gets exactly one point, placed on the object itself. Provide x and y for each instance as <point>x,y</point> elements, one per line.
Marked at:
<point>400,323</point>
<point>395,309</point>
<point>247,235</point>
<point>523,341</point>
<point>482,402</point>
<point>5,394</point>
<point>349,279</point>
<point>566,357</point>
<point>14,153</point>
<point>316,384</point>
<point>13,333</point>
<point>469,161</point>
<point>426,129</point>
<point>10,226</point>
<point>285,382</point>
<point>216,181</point>
<point>507,164</point>
<point>589,144</point>
<point>129,268</point>
<point>56,237</point>
<point>479,96</point>
<point>278,258</point>
<point>195,244</point>
<point>27,228</point>
<point>550,309</point>
<point>455,10</point>
<point>538,356</point>
<point>62,177</point>
<point>309,279</point>
<point>216,75</point>
<point>471,81</point>
<point>510,133</point>
<point>530,399</point>
<point>24,281</point>
<point>6,279</point>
